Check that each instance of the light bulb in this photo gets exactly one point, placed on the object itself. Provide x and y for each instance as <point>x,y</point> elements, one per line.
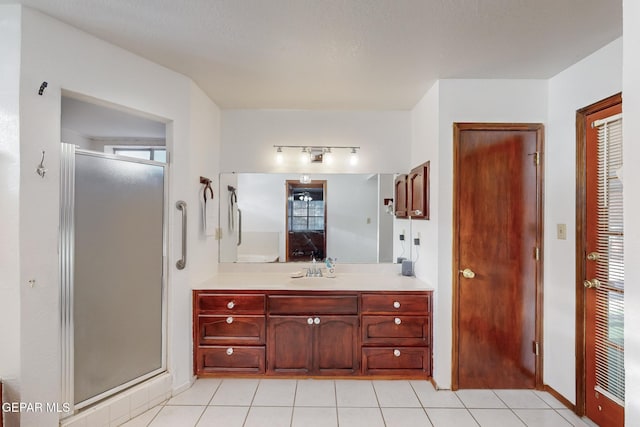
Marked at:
<point>279,156</point>
<point>328,156</point>
<point>304,156</point>
<point>353,159</point>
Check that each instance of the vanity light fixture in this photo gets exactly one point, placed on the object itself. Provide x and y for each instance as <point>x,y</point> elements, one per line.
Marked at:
<point>317,153</point>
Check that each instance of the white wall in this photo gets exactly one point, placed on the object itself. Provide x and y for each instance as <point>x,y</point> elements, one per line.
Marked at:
<point>71,60</point>
<point>248,137</point>
<point>631,156</point>
<point>458,101</point>
<point>590,80</point>
<point>9,200</point>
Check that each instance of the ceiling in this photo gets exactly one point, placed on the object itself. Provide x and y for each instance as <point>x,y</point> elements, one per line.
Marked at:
<point>345,54</point>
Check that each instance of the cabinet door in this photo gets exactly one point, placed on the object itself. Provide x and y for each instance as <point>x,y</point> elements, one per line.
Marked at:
<point>336,349</point>
<point>418,187</point>
<point>401,201</point>
<point>289,344</point>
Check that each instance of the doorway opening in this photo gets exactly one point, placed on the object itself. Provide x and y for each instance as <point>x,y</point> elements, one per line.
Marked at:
<point>306,220</point>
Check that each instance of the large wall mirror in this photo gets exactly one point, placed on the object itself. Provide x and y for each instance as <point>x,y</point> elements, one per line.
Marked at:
<point>288,217</point>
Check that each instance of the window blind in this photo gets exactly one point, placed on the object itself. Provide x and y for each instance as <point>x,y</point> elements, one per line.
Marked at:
<point>610,265</point>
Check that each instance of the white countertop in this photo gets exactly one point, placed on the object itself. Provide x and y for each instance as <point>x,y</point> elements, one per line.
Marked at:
<point>344,282</point>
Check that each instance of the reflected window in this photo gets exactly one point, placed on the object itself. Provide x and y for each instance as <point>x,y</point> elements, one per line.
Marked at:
<point>159,154</point>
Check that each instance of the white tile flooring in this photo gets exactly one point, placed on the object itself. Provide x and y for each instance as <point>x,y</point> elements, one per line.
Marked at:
<point>351,403</point>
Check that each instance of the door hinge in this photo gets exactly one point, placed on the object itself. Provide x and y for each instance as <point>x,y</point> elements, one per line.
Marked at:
<point>536,348</point>
<point>536,253</point>
<point>536,158</point>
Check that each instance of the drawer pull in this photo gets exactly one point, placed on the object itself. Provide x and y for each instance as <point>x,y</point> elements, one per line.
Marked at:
<point>229,320</point>
<point>397,321</point>
<point>396,304</point>
<point>396,353</point>
<point>310,321</point>
<point>230,351</point>
<point>316,320</point>
<point>230,305</point>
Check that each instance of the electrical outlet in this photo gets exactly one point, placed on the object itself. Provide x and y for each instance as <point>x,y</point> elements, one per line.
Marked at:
<point>416,241</point>
<point>402,237</point>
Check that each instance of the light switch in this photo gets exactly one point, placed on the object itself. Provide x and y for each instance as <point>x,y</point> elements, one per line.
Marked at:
<point>562,231</point>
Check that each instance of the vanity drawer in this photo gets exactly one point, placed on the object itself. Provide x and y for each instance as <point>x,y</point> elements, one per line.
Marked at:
<point>245,330</point>
<point>419,303</point>
<point>396,330</point>
<point>231,303</point>
<point>396,361</point>
<point>310,305</point>
<point>245,359</point>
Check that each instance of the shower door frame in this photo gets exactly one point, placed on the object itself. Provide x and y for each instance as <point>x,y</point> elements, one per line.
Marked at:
<point>66,256</point>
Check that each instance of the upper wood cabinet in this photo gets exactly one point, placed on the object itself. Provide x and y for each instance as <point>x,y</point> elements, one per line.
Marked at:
<point>412,193</point>
<point>418,188</point>
<point>401,201</point>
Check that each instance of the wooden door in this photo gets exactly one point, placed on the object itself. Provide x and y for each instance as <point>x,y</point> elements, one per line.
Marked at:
<point>401,202</point>
<point>497,255</point>
<point>418,189</point>
<point>604,269</point>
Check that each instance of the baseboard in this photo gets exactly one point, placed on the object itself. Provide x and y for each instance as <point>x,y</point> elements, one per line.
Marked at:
<point>559,397</point>
<point>183,387</point>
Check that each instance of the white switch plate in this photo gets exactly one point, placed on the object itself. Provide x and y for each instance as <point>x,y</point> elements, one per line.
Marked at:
<point>562,232</point>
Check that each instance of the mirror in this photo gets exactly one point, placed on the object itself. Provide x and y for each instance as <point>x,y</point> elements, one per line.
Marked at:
<point>255,213</point>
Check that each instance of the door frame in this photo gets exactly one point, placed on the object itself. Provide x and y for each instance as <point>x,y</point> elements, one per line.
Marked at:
<point>539,129</point>
<point>581,242</point>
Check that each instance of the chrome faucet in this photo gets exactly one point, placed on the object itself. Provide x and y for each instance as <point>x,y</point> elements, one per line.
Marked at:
<point>314,270</point>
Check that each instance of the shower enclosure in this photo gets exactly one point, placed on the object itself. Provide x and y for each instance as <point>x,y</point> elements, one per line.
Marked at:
<point>112,252</point>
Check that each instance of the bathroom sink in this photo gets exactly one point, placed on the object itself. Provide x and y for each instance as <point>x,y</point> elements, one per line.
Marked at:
<point>311,281</point>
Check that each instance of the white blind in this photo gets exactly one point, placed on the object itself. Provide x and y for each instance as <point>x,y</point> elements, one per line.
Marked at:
<point>610,265</point>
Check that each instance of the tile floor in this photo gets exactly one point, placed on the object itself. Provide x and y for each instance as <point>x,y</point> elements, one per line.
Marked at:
<point>351,403</point>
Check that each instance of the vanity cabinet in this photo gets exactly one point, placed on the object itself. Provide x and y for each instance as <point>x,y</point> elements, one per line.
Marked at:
<point>396,334</point>
<point>229,333</point>
<point>313,333</point>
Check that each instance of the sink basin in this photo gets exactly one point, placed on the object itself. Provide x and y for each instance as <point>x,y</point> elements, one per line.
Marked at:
<point>311,281</point>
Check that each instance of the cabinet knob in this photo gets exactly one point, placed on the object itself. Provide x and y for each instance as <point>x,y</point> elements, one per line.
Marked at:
<point>310,321</point>
<point>229,320</point>
<point>316,320</point>
<point>417,212</point>
<point>230,305</point>
<point>396,304</point>
<point>229,351</point>
<point>397,321</point>
<point>396,352</point>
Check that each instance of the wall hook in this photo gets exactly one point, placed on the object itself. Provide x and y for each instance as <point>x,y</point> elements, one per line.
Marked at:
<point>43,86</point>
<point>41,170</point>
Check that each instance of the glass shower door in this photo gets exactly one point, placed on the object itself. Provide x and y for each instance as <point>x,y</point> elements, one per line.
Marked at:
<point>115,333</point>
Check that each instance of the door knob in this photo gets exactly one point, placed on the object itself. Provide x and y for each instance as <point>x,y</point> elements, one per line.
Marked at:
<point>593,283</point>
<point>467,273</point>
<point>593,256</point>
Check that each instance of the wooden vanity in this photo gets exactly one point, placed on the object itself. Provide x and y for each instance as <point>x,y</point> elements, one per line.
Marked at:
<point>312,333</point>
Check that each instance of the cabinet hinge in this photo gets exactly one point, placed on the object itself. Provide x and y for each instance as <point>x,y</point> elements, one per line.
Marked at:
<point>536,253</point>
<point>536,348</point>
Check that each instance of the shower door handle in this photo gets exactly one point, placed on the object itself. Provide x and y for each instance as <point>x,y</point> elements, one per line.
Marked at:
<point>182,262</point>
